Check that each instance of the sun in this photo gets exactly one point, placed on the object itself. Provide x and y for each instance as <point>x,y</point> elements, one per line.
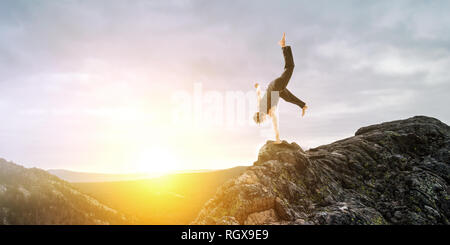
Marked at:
<point>157,161</point>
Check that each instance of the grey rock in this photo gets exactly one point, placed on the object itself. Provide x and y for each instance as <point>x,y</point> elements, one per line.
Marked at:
<point>391,173</point>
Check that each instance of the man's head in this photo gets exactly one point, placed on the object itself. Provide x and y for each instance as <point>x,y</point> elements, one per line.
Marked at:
<point>259,117</point>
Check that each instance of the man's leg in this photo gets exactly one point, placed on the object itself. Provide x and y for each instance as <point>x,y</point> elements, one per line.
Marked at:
<point>286,95</point>
<point>283,80</point>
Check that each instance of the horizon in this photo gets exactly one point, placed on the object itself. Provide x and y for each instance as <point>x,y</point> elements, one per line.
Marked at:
<point>148,174</point>
<point>93,86</point>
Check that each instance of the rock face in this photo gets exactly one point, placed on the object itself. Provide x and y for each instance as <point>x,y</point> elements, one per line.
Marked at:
<point>391,173</point>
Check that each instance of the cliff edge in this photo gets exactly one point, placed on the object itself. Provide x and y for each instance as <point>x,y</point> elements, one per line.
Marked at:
<point>391,173</point>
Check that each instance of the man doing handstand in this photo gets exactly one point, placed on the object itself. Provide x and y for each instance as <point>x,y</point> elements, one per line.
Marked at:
<point>267,105</point>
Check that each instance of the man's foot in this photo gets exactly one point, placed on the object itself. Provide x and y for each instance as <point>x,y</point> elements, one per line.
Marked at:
<point>277,141</point>
<point>304,110</point>
<point>282,42</point>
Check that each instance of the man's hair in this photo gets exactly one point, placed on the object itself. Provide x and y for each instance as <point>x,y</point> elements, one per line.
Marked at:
<point>258,117</point>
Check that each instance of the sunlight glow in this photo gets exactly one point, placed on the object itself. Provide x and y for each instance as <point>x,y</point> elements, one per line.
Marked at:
<point>157,161</point>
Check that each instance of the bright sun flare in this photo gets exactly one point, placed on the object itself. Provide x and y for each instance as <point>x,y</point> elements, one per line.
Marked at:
<point>157,161</point>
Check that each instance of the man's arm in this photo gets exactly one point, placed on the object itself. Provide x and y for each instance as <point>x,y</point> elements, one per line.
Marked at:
<point>274,117</point>
<point>258,95</point>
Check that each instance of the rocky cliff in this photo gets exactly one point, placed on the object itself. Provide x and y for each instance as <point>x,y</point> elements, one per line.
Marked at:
<point>391,173</point>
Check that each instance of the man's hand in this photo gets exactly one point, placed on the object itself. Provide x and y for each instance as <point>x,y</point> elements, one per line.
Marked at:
<point>282,42</point>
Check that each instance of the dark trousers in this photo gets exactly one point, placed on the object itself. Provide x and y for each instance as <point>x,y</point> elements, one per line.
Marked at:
<point>281,82</point>
<point>286,95</point>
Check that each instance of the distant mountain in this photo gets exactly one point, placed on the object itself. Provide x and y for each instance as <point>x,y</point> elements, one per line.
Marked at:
<point>73,176</point>
<point>170,199</point>
<point>33,196</point>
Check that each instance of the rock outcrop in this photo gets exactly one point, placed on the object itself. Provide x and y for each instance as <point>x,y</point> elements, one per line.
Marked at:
<point>391,173</point>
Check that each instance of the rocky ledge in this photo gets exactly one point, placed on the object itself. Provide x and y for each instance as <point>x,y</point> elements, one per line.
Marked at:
<point>391,173</point>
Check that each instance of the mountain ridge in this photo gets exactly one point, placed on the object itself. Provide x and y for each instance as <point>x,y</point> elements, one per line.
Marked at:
<point>34,196</point>
<point>77,176</point>
<point>91,177</point>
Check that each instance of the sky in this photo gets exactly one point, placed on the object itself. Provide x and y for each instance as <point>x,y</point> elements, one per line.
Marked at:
<point>90,85</point>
